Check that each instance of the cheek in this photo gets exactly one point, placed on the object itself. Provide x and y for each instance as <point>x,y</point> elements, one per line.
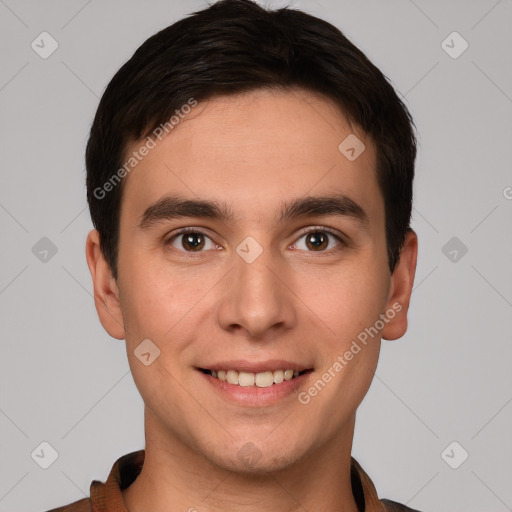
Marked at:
<point>346,300</point>
<point>150,297</point>
<point>164,307</point>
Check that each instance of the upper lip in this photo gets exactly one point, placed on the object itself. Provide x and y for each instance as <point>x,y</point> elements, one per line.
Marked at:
<point>256,367</point>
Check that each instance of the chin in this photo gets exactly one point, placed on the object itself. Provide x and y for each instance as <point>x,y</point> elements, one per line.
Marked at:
<point>259,458</point>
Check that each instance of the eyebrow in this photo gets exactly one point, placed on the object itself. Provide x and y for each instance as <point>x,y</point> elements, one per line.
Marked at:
<point>174,207</point>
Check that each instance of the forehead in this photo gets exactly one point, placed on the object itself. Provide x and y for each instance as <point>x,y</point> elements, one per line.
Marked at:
<point>254,149</point>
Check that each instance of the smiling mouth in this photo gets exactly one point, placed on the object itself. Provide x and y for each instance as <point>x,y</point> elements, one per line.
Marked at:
<point>261,379</point>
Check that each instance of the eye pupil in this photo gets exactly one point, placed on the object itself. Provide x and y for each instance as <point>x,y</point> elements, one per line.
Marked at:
<point>191,240</point>
<point>317,239</point>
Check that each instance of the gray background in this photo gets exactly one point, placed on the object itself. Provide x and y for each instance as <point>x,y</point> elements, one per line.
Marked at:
<point>63,380</point>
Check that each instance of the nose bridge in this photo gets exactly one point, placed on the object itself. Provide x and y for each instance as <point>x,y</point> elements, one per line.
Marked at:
<point>256,279</point>
<point>256,299</point>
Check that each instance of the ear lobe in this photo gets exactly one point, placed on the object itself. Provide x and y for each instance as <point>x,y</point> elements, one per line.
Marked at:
<point>402,282</point>
<point>106,292</point>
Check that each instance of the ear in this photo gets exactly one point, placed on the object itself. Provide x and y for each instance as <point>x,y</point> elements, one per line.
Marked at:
<point>106,292</point>
<point>400,290</point>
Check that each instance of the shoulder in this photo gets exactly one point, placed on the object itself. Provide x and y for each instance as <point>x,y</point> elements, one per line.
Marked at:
<point>83,505</point>
<point>366,495</point>
<point>393,506</point>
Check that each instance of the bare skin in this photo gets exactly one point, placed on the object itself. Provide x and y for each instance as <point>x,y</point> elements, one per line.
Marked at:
<point>303,300</point>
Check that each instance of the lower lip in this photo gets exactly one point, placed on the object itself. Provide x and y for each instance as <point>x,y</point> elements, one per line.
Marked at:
<point>253,395</point>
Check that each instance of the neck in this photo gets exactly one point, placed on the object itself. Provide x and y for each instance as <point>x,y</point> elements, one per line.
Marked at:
<point>177,478</point>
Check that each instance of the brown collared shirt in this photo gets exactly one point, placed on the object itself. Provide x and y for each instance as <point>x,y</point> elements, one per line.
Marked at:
<point>107,497</point>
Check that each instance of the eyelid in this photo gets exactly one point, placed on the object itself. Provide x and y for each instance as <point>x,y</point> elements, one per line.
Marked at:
<point>314,229</point>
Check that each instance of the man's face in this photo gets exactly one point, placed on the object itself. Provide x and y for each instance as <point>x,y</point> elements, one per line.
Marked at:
<point>254,292</point>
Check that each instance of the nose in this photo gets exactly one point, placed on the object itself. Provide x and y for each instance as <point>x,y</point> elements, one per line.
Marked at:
<point>258,299</point>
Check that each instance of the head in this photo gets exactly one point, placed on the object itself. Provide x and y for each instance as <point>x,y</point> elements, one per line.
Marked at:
<point>232,122</point>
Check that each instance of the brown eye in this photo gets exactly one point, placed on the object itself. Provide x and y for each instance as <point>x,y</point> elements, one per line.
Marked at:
<point>191,241</point>
<point>318,240</point>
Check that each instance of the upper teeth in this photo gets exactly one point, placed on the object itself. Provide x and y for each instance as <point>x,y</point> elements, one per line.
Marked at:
<point>262,379</point>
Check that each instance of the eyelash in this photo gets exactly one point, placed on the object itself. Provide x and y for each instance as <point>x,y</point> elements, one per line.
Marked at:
<point>185,231</point>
